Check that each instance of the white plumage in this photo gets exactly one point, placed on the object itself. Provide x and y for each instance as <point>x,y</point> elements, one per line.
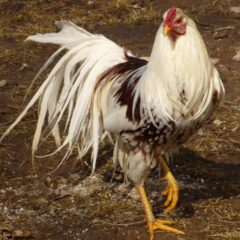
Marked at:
<point>151,107</point>
<point>68,89</point>
<point>71,88</point>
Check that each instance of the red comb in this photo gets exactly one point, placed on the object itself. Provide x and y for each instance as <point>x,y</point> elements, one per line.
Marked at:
<point>171,15</point>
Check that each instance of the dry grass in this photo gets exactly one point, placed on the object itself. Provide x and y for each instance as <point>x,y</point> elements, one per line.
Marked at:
<point>212,7</point>
<point>21,19</point>
<point>219,219</point>
<point>30,18</point>
<point>218,212</point>
<point>221,135</point>
<point>217,6</point>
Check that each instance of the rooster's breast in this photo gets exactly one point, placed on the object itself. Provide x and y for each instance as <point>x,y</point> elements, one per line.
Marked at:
<point>164,136</point>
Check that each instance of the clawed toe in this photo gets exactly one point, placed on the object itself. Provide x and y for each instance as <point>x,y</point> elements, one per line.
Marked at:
<point>172,192</point>
<point>162,225</point>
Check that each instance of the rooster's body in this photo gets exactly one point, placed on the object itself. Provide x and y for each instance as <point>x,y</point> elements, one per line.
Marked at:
<point>151,107</point>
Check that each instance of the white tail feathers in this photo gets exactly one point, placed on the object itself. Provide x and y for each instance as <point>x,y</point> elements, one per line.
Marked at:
<point>69,33</point>
<point>70,88</point>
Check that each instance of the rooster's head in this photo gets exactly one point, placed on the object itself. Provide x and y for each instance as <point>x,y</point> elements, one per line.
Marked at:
<point>174,23</point>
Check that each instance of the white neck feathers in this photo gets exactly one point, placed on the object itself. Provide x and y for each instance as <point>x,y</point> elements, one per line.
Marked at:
<point>180,78</point>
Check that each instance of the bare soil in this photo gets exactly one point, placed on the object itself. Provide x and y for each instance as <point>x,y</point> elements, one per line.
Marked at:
<point>71,204</point>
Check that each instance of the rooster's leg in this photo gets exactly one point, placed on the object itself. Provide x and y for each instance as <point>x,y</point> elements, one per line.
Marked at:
<point>154,224</point>
<point>172,189</point>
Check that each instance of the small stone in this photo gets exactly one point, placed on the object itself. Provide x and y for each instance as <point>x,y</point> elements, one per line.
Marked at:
<point>22,234</point>
<point>220,35</point>
<point>217,122</point>
<point>235,129</point>
<point>215,60</point>
<point>235,9</point>
<point>200,132</point>
<point>237,57</point>
<point>3,83</point>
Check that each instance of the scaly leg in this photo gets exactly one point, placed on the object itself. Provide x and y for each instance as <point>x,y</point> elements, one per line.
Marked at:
<point>172,189</point>
<point>154,224</point>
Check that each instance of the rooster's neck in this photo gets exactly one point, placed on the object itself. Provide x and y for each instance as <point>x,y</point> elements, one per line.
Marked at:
<point>177,68</point>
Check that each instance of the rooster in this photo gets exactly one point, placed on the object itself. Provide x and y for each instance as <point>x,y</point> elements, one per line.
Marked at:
<point>151,107</point>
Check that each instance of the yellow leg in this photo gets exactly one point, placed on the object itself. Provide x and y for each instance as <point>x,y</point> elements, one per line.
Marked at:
<point>172,189</point>
<point>154,224</point>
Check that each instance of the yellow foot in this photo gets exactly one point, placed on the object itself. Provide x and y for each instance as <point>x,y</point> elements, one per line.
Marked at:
<point>172,193</point>
<point>162,225</point>
<point>172,189</point>
<point>154,224</point>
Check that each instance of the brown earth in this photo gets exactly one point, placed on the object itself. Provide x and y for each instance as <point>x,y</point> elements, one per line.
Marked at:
<point>68,204</point>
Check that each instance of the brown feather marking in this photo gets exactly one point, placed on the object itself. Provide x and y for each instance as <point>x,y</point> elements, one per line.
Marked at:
<point>125,94</point>
<point>183,97</point>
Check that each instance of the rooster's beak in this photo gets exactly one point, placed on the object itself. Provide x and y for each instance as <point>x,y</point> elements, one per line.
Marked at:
<point>166,30</point>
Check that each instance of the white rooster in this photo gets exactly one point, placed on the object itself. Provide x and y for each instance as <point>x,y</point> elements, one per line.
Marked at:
<point>151,107</point>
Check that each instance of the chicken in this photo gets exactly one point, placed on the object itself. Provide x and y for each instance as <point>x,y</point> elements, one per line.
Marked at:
<point>150,107</point>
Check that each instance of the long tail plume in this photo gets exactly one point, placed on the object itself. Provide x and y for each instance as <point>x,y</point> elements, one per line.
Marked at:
<point>69,88</point>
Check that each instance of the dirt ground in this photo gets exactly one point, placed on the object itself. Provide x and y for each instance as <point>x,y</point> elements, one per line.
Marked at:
<point>69,204</point>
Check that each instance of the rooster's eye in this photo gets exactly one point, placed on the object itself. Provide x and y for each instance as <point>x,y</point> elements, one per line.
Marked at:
<point>179,20</point>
